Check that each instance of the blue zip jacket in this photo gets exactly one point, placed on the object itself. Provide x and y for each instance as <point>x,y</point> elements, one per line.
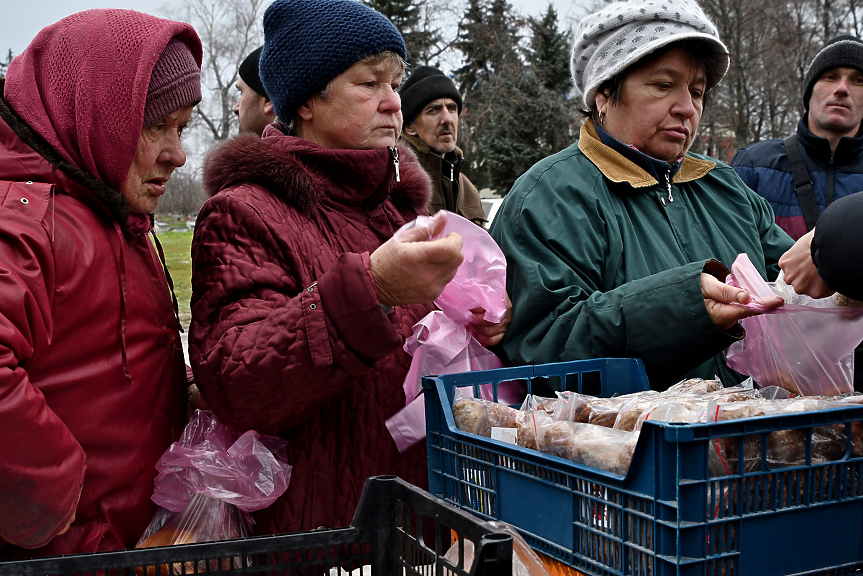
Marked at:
<point>764,168</point>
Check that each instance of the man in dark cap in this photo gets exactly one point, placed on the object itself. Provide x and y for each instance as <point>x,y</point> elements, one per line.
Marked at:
<point>431,106</point>
<point>253,107</point>
<point>802,174</point>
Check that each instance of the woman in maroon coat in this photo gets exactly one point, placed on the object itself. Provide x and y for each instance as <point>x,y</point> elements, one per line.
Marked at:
<point>301,299</point>
<point>92,378</point>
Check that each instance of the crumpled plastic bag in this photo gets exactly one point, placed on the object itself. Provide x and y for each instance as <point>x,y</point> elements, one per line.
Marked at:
<point>805,346</point>
<point>210,480</point>
<point>443,342</point>
<point>525,562</point>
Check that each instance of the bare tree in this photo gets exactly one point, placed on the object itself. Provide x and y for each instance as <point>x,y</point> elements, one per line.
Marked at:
<point>184,195</point>
<point>771,45</point>
<point>229,30</point>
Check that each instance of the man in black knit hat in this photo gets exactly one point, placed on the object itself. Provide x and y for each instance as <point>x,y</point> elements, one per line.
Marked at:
<point>829,158</point>
<point>431,106</point>
<point>253,107</point>
<point>827,146</point>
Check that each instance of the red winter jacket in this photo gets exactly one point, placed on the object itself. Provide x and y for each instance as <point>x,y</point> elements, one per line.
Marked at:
<point>287,334</point>
<point>81,302</point>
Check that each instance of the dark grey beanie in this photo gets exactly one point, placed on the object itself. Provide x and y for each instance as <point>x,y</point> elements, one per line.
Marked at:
<point>843,50</point>
<point>422,86</point>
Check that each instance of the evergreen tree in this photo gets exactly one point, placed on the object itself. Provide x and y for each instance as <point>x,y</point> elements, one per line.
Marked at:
<point>512,119</point>
<point>549,52</point>
<point>407,16</point>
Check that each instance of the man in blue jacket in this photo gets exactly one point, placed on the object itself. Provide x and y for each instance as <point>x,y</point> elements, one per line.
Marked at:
<point>828,144</point>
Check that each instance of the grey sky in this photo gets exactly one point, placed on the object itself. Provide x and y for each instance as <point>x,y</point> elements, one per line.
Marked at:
<point>22,19</point>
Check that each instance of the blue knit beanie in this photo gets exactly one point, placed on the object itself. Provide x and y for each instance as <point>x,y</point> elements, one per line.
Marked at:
<point>307,43</point>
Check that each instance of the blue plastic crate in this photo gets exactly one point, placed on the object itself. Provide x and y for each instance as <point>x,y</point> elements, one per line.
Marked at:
<point>667,515</point>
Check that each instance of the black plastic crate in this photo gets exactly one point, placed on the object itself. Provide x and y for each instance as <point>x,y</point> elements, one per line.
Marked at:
<point>667,515</point>
<point>389,536</point>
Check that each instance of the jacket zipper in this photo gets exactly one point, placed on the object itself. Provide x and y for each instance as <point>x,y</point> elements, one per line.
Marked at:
<point>395,153</point>
<point>668,185</point>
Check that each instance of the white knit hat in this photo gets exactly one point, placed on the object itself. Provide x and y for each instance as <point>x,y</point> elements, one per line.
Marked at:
<point>617,36</point>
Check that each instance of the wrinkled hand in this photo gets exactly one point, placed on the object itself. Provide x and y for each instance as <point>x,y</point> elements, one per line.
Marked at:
<point>414,271</point>
<point>800,271</point>
<point>488,333</point>
<point>719,298</point>
<point>60,533</point>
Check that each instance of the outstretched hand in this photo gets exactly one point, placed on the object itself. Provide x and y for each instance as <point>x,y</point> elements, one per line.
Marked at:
<point>415,271</point>
<point>720,299</point>
<point>489,333</point>
<point>800,271</point>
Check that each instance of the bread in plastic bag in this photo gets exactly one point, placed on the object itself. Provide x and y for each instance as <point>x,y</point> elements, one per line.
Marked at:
<point>211,480</point>
<point>591,445</point>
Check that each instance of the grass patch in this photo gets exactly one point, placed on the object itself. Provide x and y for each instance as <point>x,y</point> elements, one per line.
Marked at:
<point>178,258</point>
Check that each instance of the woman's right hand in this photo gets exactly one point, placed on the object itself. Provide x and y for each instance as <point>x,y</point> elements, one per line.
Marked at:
<point>721,299</point>
<point>415,271</point>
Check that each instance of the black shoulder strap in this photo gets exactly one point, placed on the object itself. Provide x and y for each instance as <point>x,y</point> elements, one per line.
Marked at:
<point>802,184</point>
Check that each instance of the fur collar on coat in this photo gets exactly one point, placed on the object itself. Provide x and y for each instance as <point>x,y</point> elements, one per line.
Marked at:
<point>302,173</point>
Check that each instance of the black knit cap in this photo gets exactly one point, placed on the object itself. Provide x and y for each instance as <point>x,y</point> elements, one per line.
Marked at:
<point>843,50</point>
<point>307,43</point>
<point>422,86</point>
<point>249,72</point>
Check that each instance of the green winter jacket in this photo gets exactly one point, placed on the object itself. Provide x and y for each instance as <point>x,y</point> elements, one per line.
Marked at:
<point>604,261</point>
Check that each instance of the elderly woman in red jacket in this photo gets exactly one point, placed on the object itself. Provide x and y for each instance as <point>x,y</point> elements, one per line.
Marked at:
<point>301,299</point>
<point>92,378</point>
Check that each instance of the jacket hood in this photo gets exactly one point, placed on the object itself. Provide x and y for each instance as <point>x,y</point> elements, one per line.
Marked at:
<point>39,161</point>
<point>304,174</point>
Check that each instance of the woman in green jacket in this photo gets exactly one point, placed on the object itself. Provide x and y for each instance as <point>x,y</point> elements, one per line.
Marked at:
<point>619,245</point>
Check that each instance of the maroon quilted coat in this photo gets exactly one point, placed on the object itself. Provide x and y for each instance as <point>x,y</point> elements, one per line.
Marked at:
<point>287,334</point>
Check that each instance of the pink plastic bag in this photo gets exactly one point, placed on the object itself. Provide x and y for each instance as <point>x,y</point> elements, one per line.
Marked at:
<point>443,342</point>
<point>805,346</point>
<point>211,480</point>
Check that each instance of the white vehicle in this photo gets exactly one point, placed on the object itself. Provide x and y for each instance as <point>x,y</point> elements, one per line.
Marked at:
<point>490,206</point>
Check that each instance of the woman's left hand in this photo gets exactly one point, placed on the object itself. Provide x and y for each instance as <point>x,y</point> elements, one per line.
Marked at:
<point>721,299</point>
<point>488,333</point>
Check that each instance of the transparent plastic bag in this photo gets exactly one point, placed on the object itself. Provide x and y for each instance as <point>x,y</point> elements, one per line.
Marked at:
<point>210,480</point>
<point>525,562</point>
<point>805,346</point>
<point>588,444</point>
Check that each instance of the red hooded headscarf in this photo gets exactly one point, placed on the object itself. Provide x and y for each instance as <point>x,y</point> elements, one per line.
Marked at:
<point>82,83</point>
